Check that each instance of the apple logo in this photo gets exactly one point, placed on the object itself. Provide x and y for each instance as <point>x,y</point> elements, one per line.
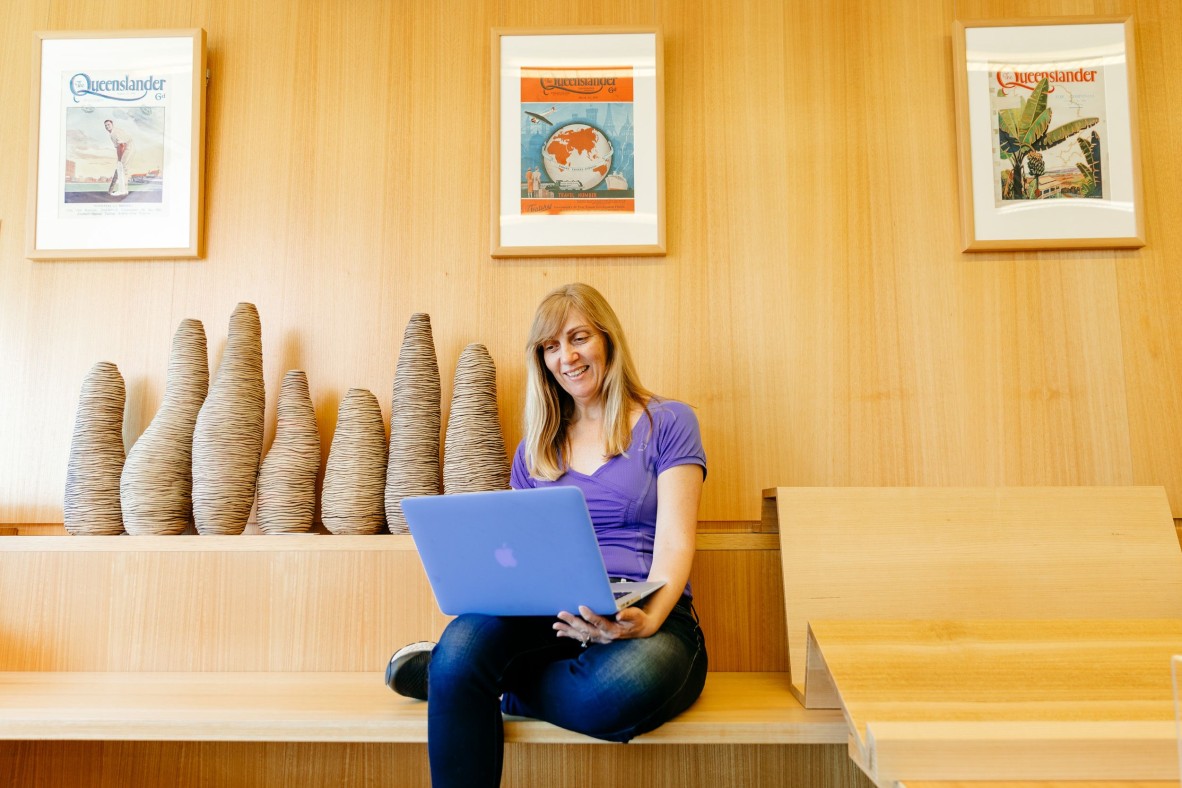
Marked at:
<point>505,557</point>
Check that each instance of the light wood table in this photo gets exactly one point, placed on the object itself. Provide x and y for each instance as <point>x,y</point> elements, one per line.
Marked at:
<point>1041,784</point>
<point>1002,700</point>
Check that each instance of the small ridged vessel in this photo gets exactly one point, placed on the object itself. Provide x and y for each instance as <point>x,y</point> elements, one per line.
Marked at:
<point>96,455</point>
<point>228,438</point>
<point>355,477</point>
<point>287,480</point>
<point>157,484</point>
<point>415,420</point>
<point>474,450</point>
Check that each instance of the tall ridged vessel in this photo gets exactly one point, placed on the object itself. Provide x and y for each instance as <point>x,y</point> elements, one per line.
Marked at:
<point>96,455</point>
<point>287,480</point>
<point>228,438</point>
<point>355,477</point>
<point>474,449</point>
<point>415,420</point>
<point>157,484</point>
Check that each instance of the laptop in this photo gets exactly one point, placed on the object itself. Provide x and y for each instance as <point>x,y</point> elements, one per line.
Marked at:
<point>515,553</point>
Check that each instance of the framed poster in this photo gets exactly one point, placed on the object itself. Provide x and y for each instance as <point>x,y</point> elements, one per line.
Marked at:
<point>1047,134</point>
<point>117,144</point>
<point>578,142</point>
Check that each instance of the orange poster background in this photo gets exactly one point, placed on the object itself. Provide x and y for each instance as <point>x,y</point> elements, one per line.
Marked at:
<point>534,80</point>
<point>552,206</point>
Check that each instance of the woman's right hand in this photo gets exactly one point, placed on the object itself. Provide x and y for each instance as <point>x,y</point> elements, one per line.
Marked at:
<point>589,627</point>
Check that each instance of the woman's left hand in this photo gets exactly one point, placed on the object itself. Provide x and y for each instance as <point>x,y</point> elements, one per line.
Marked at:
<point>588,627</point>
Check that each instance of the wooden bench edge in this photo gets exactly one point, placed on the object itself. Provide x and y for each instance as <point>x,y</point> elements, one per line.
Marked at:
<point>735,708</point>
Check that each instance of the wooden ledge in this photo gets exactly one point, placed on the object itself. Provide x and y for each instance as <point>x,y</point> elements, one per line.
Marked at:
<point>735,708</point>
<point>243,543</point>
<point>305,542</point>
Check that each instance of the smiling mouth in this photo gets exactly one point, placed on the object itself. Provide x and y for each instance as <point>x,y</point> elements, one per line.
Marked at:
<point>575,374</point>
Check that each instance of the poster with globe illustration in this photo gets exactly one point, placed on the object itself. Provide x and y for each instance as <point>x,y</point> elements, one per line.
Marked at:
<point>577,148</point>
<point>578,141</point>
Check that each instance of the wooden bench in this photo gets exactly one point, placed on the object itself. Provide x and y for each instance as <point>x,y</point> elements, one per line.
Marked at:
<point>259,660</point>
<point>915,595</point>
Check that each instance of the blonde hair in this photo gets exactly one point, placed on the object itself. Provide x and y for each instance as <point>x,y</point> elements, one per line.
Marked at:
<point>548,407</point>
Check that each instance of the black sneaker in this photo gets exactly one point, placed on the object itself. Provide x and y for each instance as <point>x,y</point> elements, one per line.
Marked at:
<point>407,672</point>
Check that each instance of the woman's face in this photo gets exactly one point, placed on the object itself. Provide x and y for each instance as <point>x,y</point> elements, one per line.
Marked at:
<point>577,358</point>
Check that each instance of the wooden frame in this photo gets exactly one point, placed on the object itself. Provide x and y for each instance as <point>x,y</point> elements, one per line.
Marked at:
<point>1058,98</point>
<point>552,91</point>
<point>117,145</point>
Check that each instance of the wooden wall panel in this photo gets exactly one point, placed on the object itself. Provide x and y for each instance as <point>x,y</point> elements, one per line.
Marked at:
<point>1150,285</point>
<point>1113,409</point>
<point>732,144</point>
<point>814,304</point>
<point>739,597</point>
<point>319,603</point>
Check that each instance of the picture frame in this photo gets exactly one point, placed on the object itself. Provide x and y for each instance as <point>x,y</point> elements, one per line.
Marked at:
<point>117,145</point>
<point>1057,98</point>
<point>578,142</point>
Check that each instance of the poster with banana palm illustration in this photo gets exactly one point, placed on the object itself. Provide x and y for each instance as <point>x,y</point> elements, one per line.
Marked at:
<point>1049,123</point>
<point>1048,134</point>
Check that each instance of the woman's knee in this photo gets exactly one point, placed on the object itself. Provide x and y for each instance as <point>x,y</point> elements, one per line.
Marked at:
<point>483,648</point>
<point>658,662</point>
<point>639,693</point>
<point>460,647</point>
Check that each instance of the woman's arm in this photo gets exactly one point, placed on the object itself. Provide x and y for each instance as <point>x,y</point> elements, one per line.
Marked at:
<point>679,489</point>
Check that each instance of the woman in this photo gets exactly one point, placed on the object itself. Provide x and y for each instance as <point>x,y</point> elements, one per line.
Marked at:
<point>639,461</point>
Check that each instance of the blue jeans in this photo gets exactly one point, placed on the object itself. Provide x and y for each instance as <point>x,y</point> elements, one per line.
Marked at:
<point>613,691</point>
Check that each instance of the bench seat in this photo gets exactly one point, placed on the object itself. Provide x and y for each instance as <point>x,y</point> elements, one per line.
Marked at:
<point>256,660</point>
<point>304,706</point>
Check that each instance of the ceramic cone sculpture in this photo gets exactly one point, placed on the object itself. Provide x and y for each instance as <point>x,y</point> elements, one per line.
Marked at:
<point>413,467</point>
<point>157,484</point>
<point>228,439</point>
<point>287,481</point>
<point>474,450</point>
<point>355,479</point>
<point>96,455</point>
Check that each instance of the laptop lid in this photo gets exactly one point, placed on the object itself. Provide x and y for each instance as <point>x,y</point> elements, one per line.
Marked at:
<point>510,552</point>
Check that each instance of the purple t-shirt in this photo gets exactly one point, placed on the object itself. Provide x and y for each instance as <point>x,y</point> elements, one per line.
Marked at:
<point>622,493</point>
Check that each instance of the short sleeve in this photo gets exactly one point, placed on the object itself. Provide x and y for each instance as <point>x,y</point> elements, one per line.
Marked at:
<point>676,436</point>
<point>519,478</point>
